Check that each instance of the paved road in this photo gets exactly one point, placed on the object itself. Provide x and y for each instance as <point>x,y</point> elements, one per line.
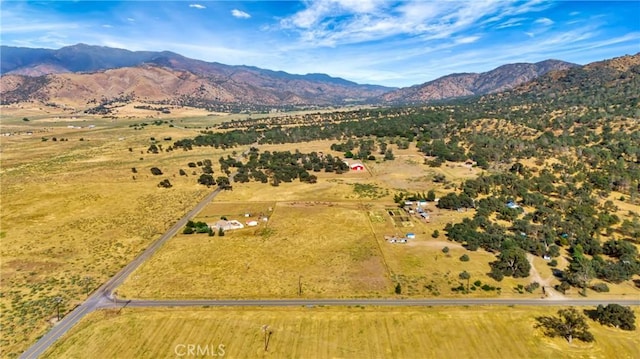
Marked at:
<point>103,296</point>
<point>375,302</point>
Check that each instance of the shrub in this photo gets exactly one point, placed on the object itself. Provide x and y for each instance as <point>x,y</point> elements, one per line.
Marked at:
<point>562,287</point>
<point>532,286</point>
<point>445,250</point>
<point>165,184</point>
<point>156,171</point>
<point>464,258</point>
<point>435,234</point>
<point>600,287</point>
<point>552,263</point>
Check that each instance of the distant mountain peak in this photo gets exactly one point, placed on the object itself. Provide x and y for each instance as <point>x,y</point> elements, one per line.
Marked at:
<point>470,84</point>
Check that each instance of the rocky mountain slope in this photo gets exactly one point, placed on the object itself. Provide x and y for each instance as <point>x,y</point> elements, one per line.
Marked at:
<point>470,84</point>
<point>93,77</point>
<point>83,74</point>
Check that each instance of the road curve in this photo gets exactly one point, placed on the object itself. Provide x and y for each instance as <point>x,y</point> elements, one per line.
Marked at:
<point>101,297</point>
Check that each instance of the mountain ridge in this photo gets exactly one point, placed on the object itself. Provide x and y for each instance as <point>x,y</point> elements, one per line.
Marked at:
<point>83,75</point>
<point>457,85</point>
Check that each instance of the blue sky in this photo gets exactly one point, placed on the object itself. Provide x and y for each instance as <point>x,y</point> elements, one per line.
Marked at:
<point>368,41</point>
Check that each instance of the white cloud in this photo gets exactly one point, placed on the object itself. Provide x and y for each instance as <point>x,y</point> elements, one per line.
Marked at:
<point>107,26</point>
<point>467,39</point>
<point>544,21</point>
<point>240,14</point>
<point>337,22</point>
<point>513,22</point>
<point>197,6</point>
<point>26,27</point>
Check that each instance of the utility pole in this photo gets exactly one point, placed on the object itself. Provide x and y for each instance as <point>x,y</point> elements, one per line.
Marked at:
<point>58,300</point>
<point>267,336</point>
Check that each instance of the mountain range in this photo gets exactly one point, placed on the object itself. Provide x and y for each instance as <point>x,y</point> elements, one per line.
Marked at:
<point>88,76</point>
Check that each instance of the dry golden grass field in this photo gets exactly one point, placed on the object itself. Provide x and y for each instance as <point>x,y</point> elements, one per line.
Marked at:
<point>328,245</point>
<point>72,215</point>
<point>336,332</point>
<point>74,211</point>
<point>312,232</point>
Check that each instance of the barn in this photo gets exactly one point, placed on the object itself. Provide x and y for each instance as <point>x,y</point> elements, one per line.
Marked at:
<point>356,167</point>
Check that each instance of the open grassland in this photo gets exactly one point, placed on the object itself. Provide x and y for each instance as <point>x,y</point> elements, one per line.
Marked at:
<point>327,247</point>
<point>344,211</point>
<point>72,213</point>
<point>336,332</point>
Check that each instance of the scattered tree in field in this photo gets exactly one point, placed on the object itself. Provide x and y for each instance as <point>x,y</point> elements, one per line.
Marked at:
<point>531,287</point>
<point>221,232</point>
<point>165,184</point>
<point>568,324</point>
<point>600,287</point>
<point>445,250</point>
<point>196,227</point>
<point>388,155</point>
<point>464,258</point>
<point>435,234</point>
<point>398,289</point>
<point>464,275</point>
<point>580,271</point>
<point>615,315</point>
<point>182,172</point>
<point>156,171</point>
<point>206,179</point>
<point>223,182</point>
<point>431,195</point>
<point>134,170</point>
<point>512,262</point>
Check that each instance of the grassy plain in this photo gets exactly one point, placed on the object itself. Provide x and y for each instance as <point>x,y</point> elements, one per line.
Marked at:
<point>328,245</point>
<point>336,332</point>
<point>308,224</point>
<point>72,214</point>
